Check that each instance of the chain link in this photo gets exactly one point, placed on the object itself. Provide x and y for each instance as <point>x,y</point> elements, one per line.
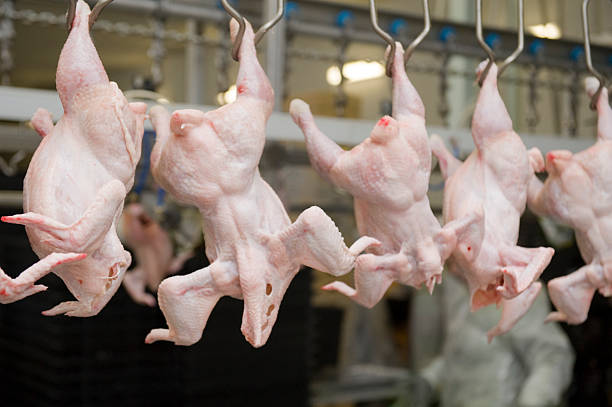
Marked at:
<point>29,17</point>
<point>7,34</point>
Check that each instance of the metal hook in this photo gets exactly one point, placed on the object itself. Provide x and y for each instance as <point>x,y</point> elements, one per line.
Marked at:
<point>241,21</point>
<point>71,13</point>
<point>423,33</point>
<point>489,51</point>
<point>384,35</point>
<point>95,12</point>
<point>389,40</point>
<point>280,5</point>
<point>93,16</point>
<point>238,17</point>
<point>587,54</point>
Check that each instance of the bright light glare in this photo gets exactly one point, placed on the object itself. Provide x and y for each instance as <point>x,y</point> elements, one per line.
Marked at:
<point>355,71</point>
<point>548,30</point>
<point>227,97</point>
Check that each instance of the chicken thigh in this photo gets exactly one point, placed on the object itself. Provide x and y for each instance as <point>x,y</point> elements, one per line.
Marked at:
<point>78,178</point>
<point>388,174</point>
<point>577,193</point>
<point>154,254</point>
<point>493,181</point>
<point>210,160</point>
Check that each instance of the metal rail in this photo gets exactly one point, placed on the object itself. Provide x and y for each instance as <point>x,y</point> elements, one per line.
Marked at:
<point>317,19</point>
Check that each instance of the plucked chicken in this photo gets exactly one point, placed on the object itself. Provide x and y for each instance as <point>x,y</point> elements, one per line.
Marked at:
<point>78,178</point>
<point>493,181</point>
<point>211,161</point>
<point>388,174</point>
<point>577,193</point>
<point>153,251</point>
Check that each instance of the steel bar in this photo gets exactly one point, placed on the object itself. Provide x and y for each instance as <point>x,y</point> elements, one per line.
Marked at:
<point>21,103</point>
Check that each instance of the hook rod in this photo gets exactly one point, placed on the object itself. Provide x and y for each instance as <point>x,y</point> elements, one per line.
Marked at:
<point>483,43</point>
<point>587,54</point>
<point>521,39</point>
<point>384,35</point>
<point>490,54</point>
<point>238,17</point>
<point>242,22</point>
<point>415,43</point>
<point>280,5</point>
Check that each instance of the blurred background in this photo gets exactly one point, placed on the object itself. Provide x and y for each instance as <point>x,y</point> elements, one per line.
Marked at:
<point>412,349</point>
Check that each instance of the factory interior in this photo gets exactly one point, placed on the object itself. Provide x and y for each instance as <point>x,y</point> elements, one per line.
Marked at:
<point>394,340</point>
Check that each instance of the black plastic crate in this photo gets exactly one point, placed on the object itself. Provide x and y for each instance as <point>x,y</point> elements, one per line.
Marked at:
<point>103,361</point>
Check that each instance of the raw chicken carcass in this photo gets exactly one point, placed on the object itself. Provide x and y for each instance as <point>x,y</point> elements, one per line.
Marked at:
<point>211,161</point>
<point>494,181</point>
<point>577,193</point>
<point>388,174</point>
<point>78,178</point>
<point>154,254</point>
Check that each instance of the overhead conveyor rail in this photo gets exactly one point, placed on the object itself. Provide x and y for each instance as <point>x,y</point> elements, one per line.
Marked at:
<point>316,18</point>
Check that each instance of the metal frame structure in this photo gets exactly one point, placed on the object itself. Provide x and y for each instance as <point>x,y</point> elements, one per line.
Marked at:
<point>315,19</point>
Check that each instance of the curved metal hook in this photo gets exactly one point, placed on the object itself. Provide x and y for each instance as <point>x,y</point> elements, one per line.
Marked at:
<point>587,54</point>
<point>415,43</point>
<point>95,12</point>
<point>238,17</point>
<point>241,21</point>
<point>384,35</point>
<point>483,43</point>
<point>489,51</point>
<point>280,5</point>
<point>521,39</point>
<point>71,14</point>
<point>93,16</point>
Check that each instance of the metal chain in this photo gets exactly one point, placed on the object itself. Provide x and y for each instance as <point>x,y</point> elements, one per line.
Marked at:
<point>443,107</point>
<point>10,168</point>
<point>222,63</point>
<point>157,50</point>
<point>574,100</point>
<point>533,116</point>
<point>29,17</point>
<point>341,99</point>
<point>7,34</point>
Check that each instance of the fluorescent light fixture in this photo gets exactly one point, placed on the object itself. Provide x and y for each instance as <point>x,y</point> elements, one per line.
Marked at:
<point>227,97</point>
<point>548,30</point>
<point>355,71</point>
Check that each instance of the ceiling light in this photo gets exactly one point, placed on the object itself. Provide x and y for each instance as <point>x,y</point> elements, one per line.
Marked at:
<point>227,97</point>
<point>548,30</point>
<point>355,71</point>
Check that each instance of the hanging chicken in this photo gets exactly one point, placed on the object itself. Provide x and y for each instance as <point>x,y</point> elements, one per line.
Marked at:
<point>210,160</point>
<point>493,181</point>
<point>154,254</point>
<point>577,193</point>
<point>78,178</point>
<point>388,174</point>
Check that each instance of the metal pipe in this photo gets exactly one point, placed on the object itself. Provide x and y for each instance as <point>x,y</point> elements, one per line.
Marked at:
<point>170,9</point>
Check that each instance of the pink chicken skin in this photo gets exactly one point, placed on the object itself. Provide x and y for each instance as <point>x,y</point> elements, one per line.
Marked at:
<point>154,253</point>
<point>388,174</point>
<point>78,178</point>
<point>494,181</point>
<point>577,194</point>
<point>211,161</point>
